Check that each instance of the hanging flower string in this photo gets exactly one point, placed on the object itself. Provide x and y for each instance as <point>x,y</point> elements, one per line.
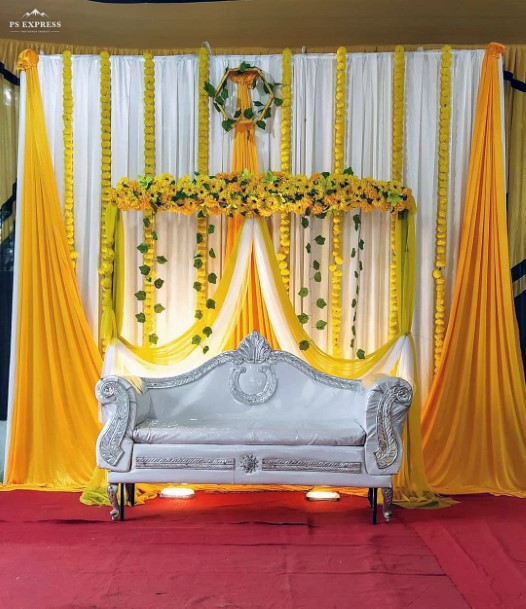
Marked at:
<point>69,218</point>
<point>396,172</point>
<point>442,201</point>
<point>262,194</point>
<point>286,137</point>
<point>147,248</point>
<point>337,250</point>
<point>107,254</point>
<point>201,252</point>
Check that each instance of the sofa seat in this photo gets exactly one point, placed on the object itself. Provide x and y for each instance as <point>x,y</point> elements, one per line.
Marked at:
<point>215,431</point>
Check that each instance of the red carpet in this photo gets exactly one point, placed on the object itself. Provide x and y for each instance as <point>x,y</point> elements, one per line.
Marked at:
<point>260,551</point>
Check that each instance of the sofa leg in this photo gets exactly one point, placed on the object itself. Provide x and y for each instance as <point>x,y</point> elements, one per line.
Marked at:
<point>370,497</point>
<point>122,502</point>
<point>130,493</point>
<point>388,502</point>
<point>375,503</point>
<point>112,494</point>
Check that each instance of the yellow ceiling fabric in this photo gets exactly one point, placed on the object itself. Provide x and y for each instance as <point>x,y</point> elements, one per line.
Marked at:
<point>54,420</point>
<point>474,425</point>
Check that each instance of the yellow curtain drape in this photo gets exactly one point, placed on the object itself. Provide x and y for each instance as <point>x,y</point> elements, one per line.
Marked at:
<point>54,419</point>
<point>474,425</point>
<point>254,314</point>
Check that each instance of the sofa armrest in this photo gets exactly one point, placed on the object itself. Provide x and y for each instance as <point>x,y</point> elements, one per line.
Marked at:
<point>122,407</point>
<point>388,401</point>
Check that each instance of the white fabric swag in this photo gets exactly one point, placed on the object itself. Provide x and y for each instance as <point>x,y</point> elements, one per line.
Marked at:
<point>367,151</point>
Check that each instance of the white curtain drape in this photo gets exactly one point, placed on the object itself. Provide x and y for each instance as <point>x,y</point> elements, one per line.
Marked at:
<point>367,151</point>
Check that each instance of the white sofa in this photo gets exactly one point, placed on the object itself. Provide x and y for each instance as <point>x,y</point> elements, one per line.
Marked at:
<point>256,416</point>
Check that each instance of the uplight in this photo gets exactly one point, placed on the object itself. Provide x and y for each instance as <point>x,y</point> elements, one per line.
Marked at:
<point>177,492</point>
<point>322,496</point>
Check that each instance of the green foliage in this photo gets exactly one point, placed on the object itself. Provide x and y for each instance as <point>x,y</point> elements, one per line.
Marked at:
<point>154,235</point>
<point>209,88</point>
<point>153,338</point>
<point>361,244</point>
<point>319,240</point>
<point>161,260</point>
<point>207,331</point>
<point>210,303</point>
<point>211,253</point>
<point>348,171</point>
<point>304,345</point>
<point>304,221</point>
<point>303,292</point>
<point>198,263</point>
<point>360,354</point>
<point>146,222</point>
<point>158,308</point>
<point>357,221</point>
<point>199,237</point>
<point>143,248</point>
<point>158,283</point>
<point>303,318</point>
<point>206,348</point>
<point>278,101</point>
<point>317,276</point>
<point>140,317</point>
<point>140,295</point>
<point>211,229</point>
<point>320,303</point>
<point>320,325</point>
<point>228,124</point>
<point>198,314</point>
<point>198,286</point>
<point>308,247</point>
<point>212,278</point>
<point>145,269</point>
<point>196,339</point>
<point>316,265</point>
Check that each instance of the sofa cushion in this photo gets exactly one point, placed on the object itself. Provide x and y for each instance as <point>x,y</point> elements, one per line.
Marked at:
<point>153,431</point>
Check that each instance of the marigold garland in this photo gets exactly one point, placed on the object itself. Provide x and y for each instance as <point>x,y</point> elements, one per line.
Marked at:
<point>149,215</point>
<point>337,255</point>
<point>201,253</point>
<point>107,253</point>
<point>442,202</point>
<point>286,138</point>
<point>262,194</point>
<point>67,117</point>
<point>396,173</point>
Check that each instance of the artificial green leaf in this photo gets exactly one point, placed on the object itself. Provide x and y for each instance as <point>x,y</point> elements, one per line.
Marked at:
<point>227,124</point>
<point>140,295</point>
<point>357,221</point>
<point>158,283</point>
<point>219,100</point>
<point>198,263</point>
<point>319,240</point>
<point>212,278</point>
<point>356,274</point>
<point>361,244</point>
<point>353,330</point>
<point>353,303</point>
<point>196,339</point>
<point>353,252</point>
<point>224,93</point>
<point>197,286</point>
<point>304,345</point>
<point>210,303</point>
<point>207,331</point>
<point>261,124</point>
<point>146,222</point>
<point>320,303</point>
<point>360,354</point>
<point>211,229</point>
<point>145,269</point>
<point>209,88</point>
<point>140,317</point>
<point>303,292</point>
<point>243,66</point>
<point>278,101</point>
<point>317,276</point>
<point>308,248</point>
<point>153,338</point>
<point>211,253</point>
<point>320,325</point>
<point>304,221</point>
<point>158,308</point>
<point>360,265</point>
<point>154,235</point>
<point>348,171</point>
<point>316,265</point>
<point>303,318</point>
<point>199,237</point>
<point>237,114</point>
<point>258,104</point>
<point>161,260</point>
<point>143,248</point>
<point>206,348</point>
<point>198,314</point>
<point>248,113</point>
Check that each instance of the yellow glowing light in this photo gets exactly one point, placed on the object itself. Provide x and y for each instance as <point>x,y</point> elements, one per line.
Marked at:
<point>177,492</point>
<point>322,496</point>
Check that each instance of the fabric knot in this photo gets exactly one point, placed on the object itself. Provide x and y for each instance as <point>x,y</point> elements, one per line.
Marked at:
<point>27,59</point>
<point>495,49</point>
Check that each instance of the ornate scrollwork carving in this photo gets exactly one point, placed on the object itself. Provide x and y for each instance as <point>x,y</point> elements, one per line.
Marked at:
<point>387,452</point>
<point>195,463</point>
<point>271,382</point>
<point>249,463</point>
<point>311,465</point>
<point>254,349</point>
<point>110,442</point>
<point>114,502</point>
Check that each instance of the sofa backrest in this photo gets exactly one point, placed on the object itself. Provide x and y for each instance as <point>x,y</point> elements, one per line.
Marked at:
<point>255,382</point>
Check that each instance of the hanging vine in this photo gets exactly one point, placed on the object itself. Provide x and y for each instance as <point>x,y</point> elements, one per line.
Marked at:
<point>69,217</point>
